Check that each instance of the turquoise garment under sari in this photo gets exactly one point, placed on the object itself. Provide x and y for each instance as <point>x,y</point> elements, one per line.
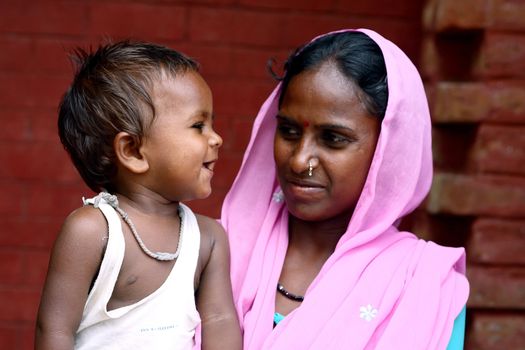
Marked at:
<point>456,339</point>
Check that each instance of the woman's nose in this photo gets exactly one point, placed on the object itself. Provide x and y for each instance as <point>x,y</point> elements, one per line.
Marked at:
<point>303,153</point>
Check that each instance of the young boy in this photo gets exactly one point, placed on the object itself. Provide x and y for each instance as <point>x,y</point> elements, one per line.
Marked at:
<point>130,269</point>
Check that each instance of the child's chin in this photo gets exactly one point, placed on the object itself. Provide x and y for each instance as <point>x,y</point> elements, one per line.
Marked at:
<point>204,194</point>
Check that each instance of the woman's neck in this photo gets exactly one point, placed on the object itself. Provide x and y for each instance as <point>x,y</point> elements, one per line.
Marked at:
<point>317,235</point>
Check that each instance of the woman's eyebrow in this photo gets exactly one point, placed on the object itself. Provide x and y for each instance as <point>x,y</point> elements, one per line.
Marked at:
<point>286,119</point>
<point>336,126</point>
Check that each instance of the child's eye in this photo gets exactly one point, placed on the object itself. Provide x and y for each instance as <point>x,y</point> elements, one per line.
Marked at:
<point>199,125</point>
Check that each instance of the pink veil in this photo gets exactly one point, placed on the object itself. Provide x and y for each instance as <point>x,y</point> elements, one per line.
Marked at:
<point>381,288</point>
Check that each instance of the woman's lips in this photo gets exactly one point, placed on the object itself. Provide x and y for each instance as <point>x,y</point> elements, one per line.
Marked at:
<point>305,189</point>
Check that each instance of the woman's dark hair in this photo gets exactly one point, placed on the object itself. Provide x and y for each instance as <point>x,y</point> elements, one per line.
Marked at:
<point>110,93</point>
<point>356,55</point>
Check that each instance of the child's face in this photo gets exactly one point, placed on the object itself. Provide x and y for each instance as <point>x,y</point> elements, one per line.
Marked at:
<point>181,146</point>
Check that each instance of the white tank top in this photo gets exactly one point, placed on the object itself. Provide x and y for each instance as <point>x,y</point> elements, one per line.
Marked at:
<point>165,319</point>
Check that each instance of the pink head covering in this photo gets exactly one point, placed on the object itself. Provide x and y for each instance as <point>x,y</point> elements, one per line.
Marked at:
<point>381,288</point>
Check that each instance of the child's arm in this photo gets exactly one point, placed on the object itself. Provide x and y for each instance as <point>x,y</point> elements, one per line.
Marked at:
<point>220,326</point>
<point>74,262</point>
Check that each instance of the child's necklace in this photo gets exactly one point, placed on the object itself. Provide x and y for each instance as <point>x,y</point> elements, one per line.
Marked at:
<point>161,256</point>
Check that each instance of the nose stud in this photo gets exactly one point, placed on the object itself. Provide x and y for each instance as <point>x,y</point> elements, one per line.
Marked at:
<point>310,168</point>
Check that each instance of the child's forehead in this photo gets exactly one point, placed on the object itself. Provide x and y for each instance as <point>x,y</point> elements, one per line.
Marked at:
<point>184,92</point>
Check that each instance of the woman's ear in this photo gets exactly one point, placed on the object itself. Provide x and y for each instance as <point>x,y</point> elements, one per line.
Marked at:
<point>129,153</point>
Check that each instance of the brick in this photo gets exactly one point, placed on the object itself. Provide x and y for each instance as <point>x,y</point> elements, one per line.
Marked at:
<point>222,125</point>
<point>444,15</point>
<point>496,331</point>
<point>507,101</point>
<point>226,170</point>
<point>12,202</point>
<point>242,129</point>
<point>38,90</point>
<point>500,149</point>
<point>35,267</point>
<point>382,8</point>
<point>236,27</point>
<point>305,5</point>
<point>501,56</point>
<point>54,200</point>
<point>27,335</point>
<point>43,17</point>
<point>249,63</point>
<point>499,196</point>
<point>210,206</point>
<point>43,125</point>
<point>451,56</point>
<point>507,15</point>
<point>37,233</point>
<point>142,21</point>
<point>43,54</point>
<point>14,54</point>
<point>53,54</point>
<point>15,124</point>
<point>300,28</point>
<point>452,145</point>
<point>36,160</point>
<point>452,102</point>
<point>214,61</point>
<point>11,267</point>
<point>9,338</point>
<point>495,241</point>
<point>496,287</point>
<point>430,59</point>
<point>214,2</point>
<point>447,230</point>
<point>18,304</point>
<point>238,98</point>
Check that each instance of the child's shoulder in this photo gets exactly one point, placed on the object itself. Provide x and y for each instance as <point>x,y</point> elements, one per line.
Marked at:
<point>213,239</point>
<point>85,226</point>
<point>209,227</point>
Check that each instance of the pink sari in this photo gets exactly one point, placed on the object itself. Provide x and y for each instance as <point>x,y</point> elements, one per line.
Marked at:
<point>381,288</point>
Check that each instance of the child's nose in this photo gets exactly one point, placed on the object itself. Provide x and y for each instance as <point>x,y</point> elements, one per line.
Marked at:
<point>215,140</point>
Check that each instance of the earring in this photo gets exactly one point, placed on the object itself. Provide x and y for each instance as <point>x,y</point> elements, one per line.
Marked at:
<point>310,168</point>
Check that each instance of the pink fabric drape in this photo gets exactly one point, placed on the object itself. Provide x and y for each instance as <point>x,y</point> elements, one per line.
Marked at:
<point>381,288</point>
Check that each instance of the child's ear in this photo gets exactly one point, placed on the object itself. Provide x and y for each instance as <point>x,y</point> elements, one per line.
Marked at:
<point>129,153</point>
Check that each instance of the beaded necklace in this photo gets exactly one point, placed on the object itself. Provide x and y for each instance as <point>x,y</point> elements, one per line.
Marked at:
<point>287,294</point>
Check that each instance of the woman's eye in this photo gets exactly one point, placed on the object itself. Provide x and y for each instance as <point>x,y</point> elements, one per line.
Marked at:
<point>334,139</point>
<point>287,131</point>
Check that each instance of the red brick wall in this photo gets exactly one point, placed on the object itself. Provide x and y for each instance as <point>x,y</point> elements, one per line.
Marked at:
<point>474,64</point>
<point>232,39</point>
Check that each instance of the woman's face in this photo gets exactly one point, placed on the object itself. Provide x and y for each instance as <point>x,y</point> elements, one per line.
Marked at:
<point>322,120</point>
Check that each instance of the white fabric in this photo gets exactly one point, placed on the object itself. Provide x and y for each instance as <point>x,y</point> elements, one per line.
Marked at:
<point>165,319</point>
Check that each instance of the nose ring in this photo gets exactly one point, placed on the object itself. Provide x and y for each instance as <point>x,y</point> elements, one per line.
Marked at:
<point>310,168</point>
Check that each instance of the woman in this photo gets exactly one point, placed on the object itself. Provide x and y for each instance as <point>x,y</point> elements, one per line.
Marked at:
<point>339,153</point>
